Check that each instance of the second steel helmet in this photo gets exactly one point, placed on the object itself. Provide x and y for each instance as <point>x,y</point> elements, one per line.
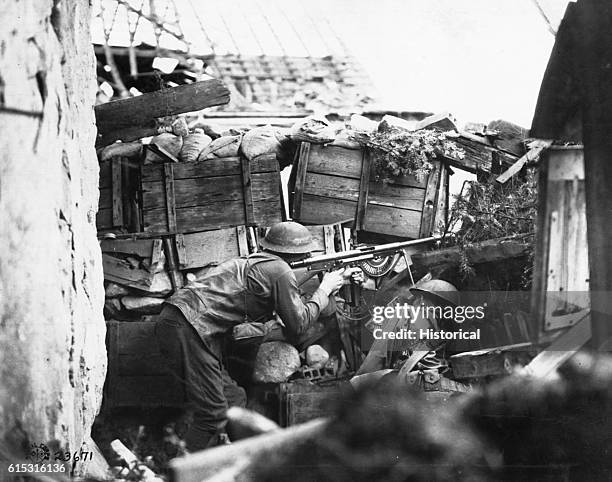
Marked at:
<point>440,290</point>
<point>288,237</point>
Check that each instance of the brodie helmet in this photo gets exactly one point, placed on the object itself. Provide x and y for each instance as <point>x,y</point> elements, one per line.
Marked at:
<point>441,291</point>
<point>288,237</point>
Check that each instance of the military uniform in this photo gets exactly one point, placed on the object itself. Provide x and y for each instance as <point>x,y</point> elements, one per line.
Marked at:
<point>194,322</point>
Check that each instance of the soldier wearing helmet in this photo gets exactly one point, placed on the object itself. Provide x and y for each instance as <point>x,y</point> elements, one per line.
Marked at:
<point>195,320</point>
<point>434,292</point>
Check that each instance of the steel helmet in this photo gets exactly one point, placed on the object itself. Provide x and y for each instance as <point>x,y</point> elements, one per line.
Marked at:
<point>441,290</point>
<point>288,237</point>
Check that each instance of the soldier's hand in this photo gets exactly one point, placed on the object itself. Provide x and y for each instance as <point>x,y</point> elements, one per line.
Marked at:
<point>332,281</point>
<point>355,274</point>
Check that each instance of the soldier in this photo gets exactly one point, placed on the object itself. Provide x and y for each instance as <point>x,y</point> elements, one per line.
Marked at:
<point>194,322</point>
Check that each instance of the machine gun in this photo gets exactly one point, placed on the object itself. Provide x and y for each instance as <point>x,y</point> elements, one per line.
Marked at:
<point>375,261</point>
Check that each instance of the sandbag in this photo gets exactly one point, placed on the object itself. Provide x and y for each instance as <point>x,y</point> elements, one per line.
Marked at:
<point>121,149</point>
<point>226,146</point>
<point>346,140</point>
<point>315,130</point>
<point>169,142</point>
<point>261,140</point>
<point>193,144</point>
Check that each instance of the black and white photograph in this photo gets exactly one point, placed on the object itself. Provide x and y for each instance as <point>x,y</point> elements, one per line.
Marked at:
<point>305,240</point>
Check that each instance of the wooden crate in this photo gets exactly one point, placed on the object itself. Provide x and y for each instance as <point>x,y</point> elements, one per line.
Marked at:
<point>301,401</point>
<point>214,194</point>
<point>333,184</point>
<point>111,204</point>
<point>137,373</point>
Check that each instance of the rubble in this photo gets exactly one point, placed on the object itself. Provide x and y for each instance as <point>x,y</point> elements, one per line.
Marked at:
<point>275,362</point>
<point>316,356</point>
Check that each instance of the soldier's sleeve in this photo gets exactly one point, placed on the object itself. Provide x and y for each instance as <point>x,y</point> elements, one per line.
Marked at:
<point>297,315</point>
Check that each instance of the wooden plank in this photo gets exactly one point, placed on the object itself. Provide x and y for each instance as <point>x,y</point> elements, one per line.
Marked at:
<point>430,201</point>
<point>243,243</point>
<point>530,156</point>
<point>141,111</point>
<point>478,155</point>
<point>484,252</point>
<point>247,192</point>
<point>364,182</point>
<point>215,216</point>
<point>380,219</point>
<point>318,239</point>
<point>300,179</point>
<point>170,197</point>
<point>379,193</point>
<point>138,247</point>
<point>498,361</point>
<point>219,214</point>
<point>304,407</point>
<point>561,349</point>
<point>117,185</point>
<point>441,218</point>
<point>328,233</point>
<point>106,198</point>
<point>215,246</point>
<point>226,166</point>
<point>338,161</point>
<point>392,221</point>
<point>122,272</point>
<point>195,192</point>
<point>181,252</point>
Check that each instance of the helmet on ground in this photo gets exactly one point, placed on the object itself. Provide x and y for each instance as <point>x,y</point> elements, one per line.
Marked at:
<point>439,290</point>
<point>288,237</point>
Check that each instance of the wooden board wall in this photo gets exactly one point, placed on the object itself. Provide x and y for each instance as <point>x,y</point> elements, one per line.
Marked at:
<point>211,195</point>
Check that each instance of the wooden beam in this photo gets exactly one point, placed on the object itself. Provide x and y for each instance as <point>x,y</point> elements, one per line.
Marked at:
<point>530,156</point>
<point>484,252</point>
<point>479,154</point>
<point>594,57</point>
<point>545,364</point>
<point>138,114</point>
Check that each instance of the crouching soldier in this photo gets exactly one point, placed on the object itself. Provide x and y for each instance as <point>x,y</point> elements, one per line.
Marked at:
<point>194,322</point>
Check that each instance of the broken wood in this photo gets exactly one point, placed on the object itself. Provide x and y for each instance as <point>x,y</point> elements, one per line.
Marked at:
<point>498,361</point>
<point>536,148</point>
<point>483,252</point>
<point>122,272</point>
<point>134,118</point>
<point>565,346</point>
<point>479,154</point>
